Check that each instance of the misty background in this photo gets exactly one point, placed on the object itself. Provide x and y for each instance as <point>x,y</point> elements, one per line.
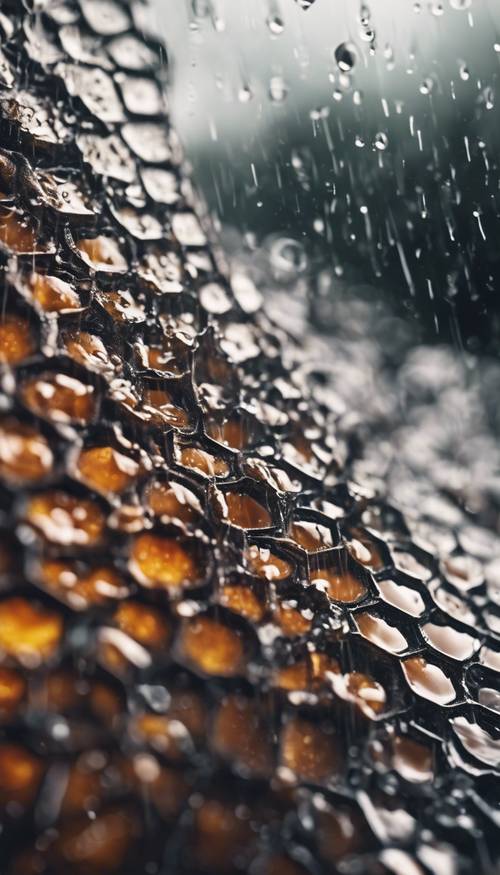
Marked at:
<point>367,133</point>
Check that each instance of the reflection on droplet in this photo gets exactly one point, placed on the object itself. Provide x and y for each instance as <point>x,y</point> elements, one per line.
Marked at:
<point>346,56</point>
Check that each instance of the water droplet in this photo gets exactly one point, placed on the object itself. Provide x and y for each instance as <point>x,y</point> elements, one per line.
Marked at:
<point>278,89</point>
<point>275,25</point>
<point>381,141</point>
<point>245,94</point>
<point>346,56</point>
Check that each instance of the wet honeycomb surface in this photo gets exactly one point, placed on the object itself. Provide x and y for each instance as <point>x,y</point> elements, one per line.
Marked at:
<point>221,651</point>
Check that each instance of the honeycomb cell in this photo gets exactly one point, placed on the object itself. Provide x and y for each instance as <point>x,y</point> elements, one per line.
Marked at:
<point>60,398</point>
<point>165,735</point>
<point>340,584</point>
<point>220,835</point>
<point>160,408</point>
<point>25,455</point>
<point>81,587</point>
<point>241,735</point>
<point>310,674</point>
<point>311,536</point>
<point>243,601</point>
<point>12,692</point>
<point>65,519</point>
<point>412,760</point>
<point>143,623</point>
<point>201,462</point>
<point>98,845</point>
<point>29,633</point>
<point>402,597</point>
<point>171,501</point>
<point>291,621</point>
<point>449,641</point>
<point>106,470</point>
<point>381,633</point>
<point>102,254</point>
<point>88,350</point>
<point>52,294</point>
<point>18,233</point>
<point>261,562</point>
<point>362,691</point>
<point>309,752</point>
<point>159,562</point>
<point>21,776</point>
<point>428,680</point>
<point>212,647</point>
<point>122,307</point>
<point>243,511</point>
<point>17,341</point>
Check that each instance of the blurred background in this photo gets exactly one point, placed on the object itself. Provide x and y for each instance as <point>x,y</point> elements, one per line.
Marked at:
<point>367,134</point>
<point>348,154</point>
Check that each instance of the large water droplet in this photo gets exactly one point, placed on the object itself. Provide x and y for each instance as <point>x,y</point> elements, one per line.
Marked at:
<point>346,56</point>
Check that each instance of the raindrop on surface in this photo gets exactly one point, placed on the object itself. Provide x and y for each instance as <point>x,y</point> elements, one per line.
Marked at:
<point>245,94</point>
<point>367,34</point>
<point>278,89</point>
<point>460,4</point>
<point>287,257</point>
<point>275,25</point>
<point>381,141</point>
<point>346,56</point>
<point>357,97</point>
<point>464,72</point>
<point>427,86</point>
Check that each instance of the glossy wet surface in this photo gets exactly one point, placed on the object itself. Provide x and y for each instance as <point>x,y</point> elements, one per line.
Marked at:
<point>223,647</point>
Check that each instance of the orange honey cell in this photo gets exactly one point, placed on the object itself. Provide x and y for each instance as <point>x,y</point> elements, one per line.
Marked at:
<point>262,563</point>
<point>428,680</point>
<point>17,342</point>
<point>160,562</point>
<point>88,350</point>
<point>80,589</point>
<point>219,836</point>
<point>159,407</point>
<point>309,674</point>
<point>172,501</point>
<point>25,455</point>
<point>106,470</point>
<point>21,775</point>
<point>53,295</point>
<point>291,621</point>
<point>308,751</point>
<point>59,398</point>
<point>12,691</point>
<point>18,232</point>
<point>244,511</point>
<point>28,632</point>
<point>339,585</point>
<point>243,601</point>
<point>240,734</point>
<point>65,519</point>
<point>95,846</point>
<point>143,623</point>
<point>102,254</point>
<point>311,536</point>
<point>212,647</point>
<point>202,462</point>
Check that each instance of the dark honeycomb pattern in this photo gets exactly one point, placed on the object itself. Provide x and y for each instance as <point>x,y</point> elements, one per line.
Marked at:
<point>219,653</point>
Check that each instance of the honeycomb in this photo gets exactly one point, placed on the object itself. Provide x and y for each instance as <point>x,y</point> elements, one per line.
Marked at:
<point>220,652</point>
